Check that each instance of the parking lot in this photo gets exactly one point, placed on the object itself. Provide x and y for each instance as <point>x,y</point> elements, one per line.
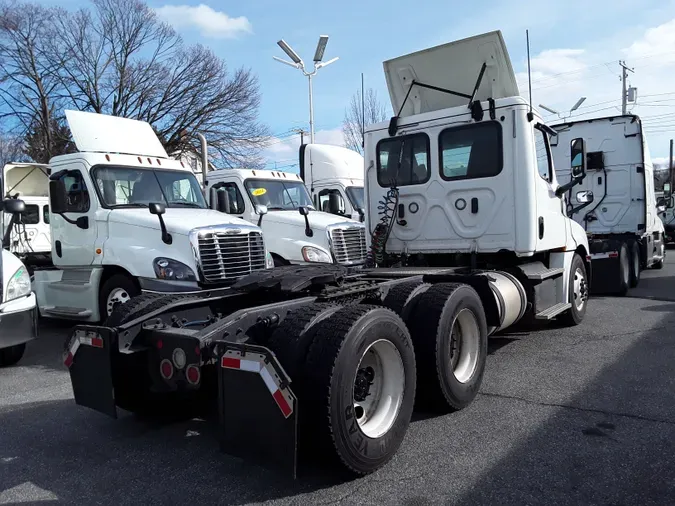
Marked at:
<point>565,416</point>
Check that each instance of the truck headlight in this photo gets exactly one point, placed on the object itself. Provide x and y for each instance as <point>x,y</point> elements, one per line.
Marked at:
<point>312,254</point>
<point>269,261</point>
<point>166,268</point>
<point>19,285</point>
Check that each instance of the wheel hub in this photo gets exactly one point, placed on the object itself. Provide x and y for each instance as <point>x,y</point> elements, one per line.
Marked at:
<point>116,297</point>
<point>580,289</point>
<point>362,383</point>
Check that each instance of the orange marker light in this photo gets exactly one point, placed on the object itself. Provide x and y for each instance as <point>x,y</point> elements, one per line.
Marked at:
<point>99,251</point>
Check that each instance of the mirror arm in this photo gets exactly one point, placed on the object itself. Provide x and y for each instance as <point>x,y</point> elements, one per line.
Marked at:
<point>575,210</point>
<point>561,190</point>
<point>166,236</point>
<point>260,217</point>
<point>308,229</point>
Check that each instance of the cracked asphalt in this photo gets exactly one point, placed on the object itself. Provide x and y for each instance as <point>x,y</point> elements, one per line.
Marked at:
<point>565,416</point>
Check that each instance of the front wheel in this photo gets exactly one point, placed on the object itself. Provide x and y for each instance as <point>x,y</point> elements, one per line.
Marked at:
<point>578,293</point>
<point>116,290</point>
<point>635,264</point>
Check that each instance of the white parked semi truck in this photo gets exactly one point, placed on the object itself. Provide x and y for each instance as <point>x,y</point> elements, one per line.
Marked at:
<point>126,219</point>
<point>324,362</point>
<point>615,203</point>
<point>334,176</point>
<point>278,202</point>
<point>30,239</point>
<point>18,311</point>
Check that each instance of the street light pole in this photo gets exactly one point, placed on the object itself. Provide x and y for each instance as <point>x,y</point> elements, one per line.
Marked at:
<point>300,65</point>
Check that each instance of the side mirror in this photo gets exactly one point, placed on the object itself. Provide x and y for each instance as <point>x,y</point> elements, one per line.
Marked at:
<point>223,201</point>
<point>13,206</point>
<point>303,210</point>
<point>584,197</point>
<point>334,203</point>
<point>261,210</point>
<point>578,157</point>
<point>57,197</point>
<point>362,213</point>
<point>156,208</point>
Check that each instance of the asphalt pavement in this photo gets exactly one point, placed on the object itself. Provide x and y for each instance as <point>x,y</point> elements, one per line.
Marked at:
<point>582,415</point>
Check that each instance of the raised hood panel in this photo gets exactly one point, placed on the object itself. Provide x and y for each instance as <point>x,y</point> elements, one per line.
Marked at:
<point>454,66</point>
<point>178,221</point>
<point>110,134</point>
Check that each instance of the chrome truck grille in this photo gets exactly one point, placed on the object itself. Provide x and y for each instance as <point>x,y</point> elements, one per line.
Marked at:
<point>349,244</point>
<point>227,254</point>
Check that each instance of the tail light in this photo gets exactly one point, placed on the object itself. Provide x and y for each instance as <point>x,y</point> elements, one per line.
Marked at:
<point>192,374</point>
<point>166,369</point>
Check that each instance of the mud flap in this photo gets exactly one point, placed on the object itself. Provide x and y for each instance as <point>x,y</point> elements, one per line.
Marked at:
<point>88,357</point>
<point>257,409</point>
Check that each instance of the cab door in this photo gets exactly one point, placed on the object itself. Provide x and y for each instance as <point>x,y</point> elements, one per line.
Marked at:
<point>551,226</point>
<point>74,245</point>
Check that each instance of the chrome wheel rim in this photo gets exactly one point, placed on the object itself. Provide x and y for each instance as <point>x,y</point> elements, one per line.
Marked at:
<point>117,296</point>
<point>378,389</point>
<point>580,291</point>
<point>464,345</point>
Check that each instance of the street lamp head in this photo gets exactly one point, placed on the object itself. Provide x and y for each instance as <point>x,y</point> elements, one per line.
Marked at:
<point>552,111</point>
<point>326,63</point>
<point>290,64</point>
<point>579,102</point>
<point>320,48</point>
<point>289,51</point>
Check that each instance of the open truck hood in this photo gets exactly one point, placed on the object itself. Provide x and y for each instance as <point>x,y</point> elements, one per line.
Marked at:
<point>26,179</point>
<point>454,66</point>
<point>101,133</point>
<point>320,162</point>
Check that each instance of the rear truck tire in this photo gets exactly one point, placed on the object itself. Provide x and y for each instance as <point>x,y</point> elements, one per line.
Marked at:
<point>127,312</point>
<point>12,355</point>
<point>118,289</point>
<point>449,334</point>
<point>578,293</point>
<point>358,389</point>
<point>291,340</point>
<point>624,270</point>
<point>635,264</point>
<point>403,297</point>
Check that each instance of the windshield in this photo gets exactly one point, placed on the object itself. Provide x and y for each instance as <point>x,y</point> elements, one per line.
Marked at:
<point>278,195</point>
<point>134,187</point>
<point>355,194</point>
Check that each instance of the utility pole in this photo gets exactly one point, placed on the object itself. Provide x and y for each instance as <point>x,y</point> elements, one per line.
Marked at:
<point>624,91</point>
<point>302,134</point>
<point>670,166</point>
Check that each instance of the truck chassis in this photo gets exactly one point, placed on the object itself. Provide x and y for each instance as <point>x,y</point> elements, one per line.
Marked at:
<point>303,326</point>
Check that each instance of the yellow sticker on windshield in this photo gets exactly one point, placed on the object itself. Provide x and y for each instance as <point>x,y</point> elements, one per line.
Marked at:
<point>258,192</point>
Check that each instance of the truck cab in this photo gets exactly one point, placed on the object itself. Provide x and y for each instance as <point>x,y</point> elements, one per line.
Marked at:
<point>18,312</point>
<point>334,177</point>
<point>126,219</point>
<point>29,182</point>
<point>295,231</point>
<point>616,203</point>
<point>464,176</point>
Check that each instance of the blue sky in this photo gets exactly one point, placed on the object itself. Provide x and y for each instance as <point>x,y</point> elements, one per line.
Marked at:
<point>575,47</point>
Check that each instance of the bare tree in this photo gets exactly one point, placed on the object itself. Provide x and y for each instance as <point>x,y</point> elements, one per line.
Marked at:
<point>118,58</point>
<point>28,87</point>
<point>357,114</point>
<point>11,149</point>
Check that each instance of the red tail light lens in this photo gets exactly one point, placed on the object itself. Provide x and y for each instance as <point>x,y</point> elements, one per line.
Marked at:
<point>192,374</point>
<point>166,369</point>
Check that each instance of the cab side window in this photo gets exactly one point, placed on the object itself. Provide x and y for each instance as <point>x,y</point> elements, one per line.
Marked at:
<point>235,198</point>
<point>543,154</point>
<point>77,194</point>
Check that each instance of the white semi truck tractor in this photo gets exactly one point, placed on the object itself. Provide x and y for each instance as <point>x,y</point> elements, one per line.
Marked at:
<point>468,236</point>
<point>127,219</point>
<point>616,203</point>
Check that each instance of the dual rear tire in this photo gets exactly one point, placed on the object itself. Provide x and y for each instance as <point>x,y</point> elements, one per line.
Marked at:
<point>359,370</point>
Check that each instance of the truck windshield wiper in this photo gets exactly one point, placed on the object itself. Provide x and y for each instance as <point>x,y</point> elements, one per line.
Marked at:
<point>275,208</point>
<point>127,206</point>
<point>185,204</point>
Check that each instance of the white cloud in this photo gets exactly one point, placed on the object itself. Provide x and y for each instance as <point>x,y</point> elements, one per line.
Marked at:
<point>561,76</point>
<point>210,23</point>
<point>284,151</point>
